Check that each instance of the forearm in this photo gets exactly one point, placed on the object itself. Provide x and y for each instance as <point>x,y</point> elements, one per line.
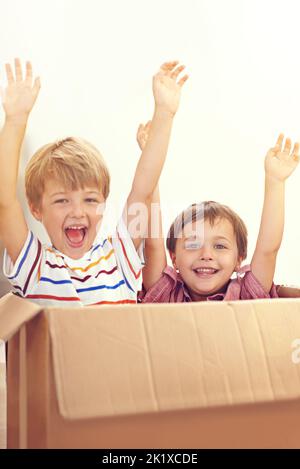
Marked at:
<point>154,219</point>
<point>154,154</point>
<point>11,138</point>
<point>272,219</point>
<point>155,255</point>
<point>288,292</point>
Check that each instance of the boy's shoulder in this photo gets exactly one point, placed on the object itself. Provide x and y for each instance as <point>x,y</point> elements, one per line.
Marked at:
<point>169,288</point>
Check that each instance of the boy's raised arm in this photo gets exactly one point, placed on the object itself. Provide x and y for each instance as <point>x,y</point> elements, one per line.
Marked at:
<point>155,254</point>
<point>18,99</point>
<point>279,165</point>
<point>166,91</point>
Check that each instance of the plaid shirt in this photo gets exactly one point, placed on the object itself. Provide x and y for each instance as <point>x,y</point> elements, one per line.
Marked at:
<point>170,288</point>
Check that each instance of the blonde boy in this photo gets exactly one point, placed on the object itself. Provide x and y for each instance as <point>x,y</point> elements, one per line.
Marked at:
<point>67,184</point>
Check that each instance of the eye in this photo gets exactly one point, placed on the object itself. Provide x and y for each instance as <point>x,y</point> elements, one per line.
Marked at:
<point>91,201</point>
<point>61,201</point>
<point>220,246</point>
<point>191,245</point>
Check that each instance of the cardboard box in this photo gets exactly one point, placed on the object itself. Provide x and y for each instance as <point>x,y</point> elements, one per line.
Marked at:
<point>2,396</point>
<point>5,286</point>
<point>196,375</point>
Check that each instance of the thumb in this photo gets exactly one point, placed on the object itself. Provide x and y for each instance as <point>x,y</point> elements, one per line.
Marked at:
<point>2,94</point>
<point>36,86</point>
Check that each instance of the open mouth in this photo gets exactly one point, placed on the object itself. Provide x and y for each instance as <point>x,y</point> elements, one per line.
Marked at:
<point>75,235</point>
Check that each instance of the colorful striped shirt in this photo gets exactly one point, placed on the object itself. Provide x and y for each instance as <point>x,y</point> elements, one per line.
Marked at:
<point>109,273</point>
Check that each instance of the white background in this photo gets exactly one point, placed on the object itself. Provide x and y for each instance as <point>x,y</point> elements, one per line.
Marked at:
<point>96,59</point>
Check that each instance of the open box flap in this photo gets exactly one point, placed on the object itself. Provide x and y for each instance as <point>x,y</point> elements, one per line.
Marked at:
<point>14,312</point>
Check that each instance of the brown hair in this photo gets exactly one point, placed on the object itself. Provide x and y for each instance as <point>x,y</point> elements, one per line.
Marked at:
<point>211,211</point>
<point>73,162</point>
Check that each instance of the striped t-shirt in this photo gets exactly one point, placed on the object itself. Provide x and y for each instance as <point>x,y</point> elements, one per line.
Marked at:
<point>109,273</point>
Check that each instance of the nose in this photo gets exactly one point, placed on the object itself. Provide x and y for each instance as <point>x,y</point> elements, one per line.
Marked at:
<point>77,210</point>
<point>205,253</point>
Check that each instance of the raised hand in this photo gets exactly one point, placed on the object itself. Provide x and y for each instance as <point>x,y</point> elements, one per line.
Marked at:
<point>166,88</point>
<point>142,134</point>
<point>21,93</point>
<point>280,161</point>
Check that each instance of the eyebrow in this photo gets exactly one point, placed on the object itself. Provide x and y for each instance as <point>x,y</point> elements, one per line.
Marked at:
<point>57,193</point>
<point>192,236</point>
<point>221,237</point>
<point>67,192</point>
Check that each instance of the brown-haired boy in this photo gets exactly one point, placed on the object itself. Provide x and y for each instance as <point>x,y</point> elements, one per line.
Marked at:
<point>207,243</point>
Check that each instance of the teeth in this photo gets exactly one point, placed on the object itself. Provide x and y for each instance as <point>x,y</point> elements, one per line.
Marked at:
<point>205,270</point>
<point>75,228</point>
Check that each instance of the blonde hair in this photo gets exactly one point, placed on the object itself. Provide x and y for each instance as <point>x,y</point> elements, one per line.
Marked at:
<point>211,211</point>
<point>73,162</point>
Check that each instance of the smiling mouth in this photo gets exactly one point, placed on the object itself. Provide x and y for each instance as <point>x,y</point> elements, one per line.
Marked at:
<point>205,271</point>
<point>75,235</point>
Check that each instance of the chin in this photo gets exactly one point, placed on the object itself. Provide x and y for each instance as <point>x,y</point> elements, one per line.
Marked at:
<point>208,292</point>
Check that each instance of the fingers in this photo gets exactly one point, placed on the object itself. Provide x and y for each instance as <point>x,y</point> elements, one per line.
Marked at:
<point>28,72</point>
<point>172,70</point>
<point>144,127</point>
<point>9,74</point>
<point>36,86</point>
<point>142,134</point>
<point>19,75</point>
<point>177,70</point>
<point>280,140</point>
<point>167,67</point>
<point>140,131</point>
<point>278,144</point>
<point>183,80</point>
<point>18,70</point>
<point>295,152</point>
<point>277,150</point>
<point>287,146</point>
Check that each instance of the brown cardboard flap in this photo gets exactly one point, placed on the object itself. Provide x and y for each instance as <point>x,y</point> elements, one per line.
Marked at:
<point>124,360</point>
<point>14,312</point>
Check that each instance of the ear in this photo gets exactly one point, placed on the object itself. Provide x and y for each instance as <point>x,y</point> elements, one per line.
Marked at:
<point>101,208</point>
<point>173,259</point>
<point>238,264</point>
<point>36,212</point>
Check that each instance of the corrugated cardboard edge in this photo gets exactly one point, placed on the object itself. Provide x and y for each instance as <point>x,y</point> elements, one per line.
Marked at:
<point>14,312</point>
<point>3,402</point>
<point>23,311</point>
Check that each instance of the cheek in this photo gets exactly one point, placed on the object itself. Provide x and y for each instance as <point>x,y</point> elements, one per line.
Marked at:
<point>185,259</point>
<point>94,212</point>
<point>95,221</point>
<point>96,217</point>
<point>53,217</point>
<point>230,260</point>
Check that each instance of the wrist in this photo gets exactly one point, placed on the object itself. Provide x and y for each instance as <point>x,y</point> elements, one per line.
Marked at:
<point>274,181</point>
<point>16,120</point>
<point>161,111</point>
